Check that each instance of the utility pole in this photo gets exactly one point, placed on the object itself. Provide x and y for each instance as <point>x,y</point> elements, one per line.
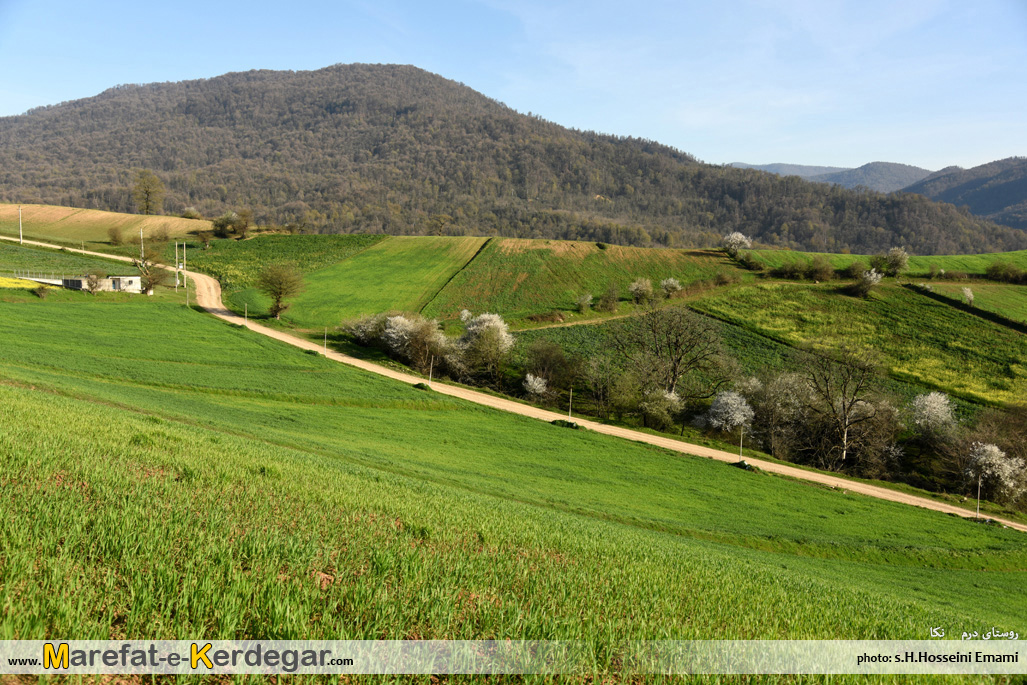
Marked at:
<point>431,367</point>
<point>142,254</point>
<point>177,265</point>
<point>185,277</point>
<point>980,475</point>
<point>570,403</point>
<point>21,236</point>
<point>326,340</point>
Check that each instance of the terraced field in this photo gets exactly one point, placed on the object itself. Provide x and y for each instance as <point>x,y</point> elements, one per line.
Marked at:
<point>520,278</point>
<point>209,482</point>
<point>919,265</point>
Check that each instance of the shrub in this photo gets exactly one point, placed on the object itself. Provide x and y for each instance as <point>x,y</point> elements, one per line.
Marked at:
<point>867,281</point>
<point>114,236</point>
<point>794,269</point>
<point>725,278</point>
<point>819,269</point>
<point>41,291</point>
<point>602,246</point>
<point>422,386</point>
<point>536,387</point>
<point>1006,272</point>
<point>191,213</point>
<point>751,262</point>
<point>609,300</point>
<point>968,296</point>
<point>583,303</point>
<point>855,269</point>
<point>933,271</point>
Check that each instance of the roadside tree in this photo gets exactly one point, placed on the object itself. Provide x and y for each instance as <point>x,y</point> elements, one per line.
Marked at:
<point>279,282</point>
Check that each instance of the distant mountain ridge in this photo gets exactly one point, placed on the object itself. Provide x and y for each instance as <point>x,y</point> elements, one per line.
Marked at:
<point>884,177</point>
<point>800,170</point>
<point>395,149</point>
<point>997,190</point>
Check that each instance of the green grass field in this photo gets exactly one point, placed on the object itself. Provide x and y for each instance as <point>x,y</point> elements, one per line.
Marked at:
<point>919,339</point>
<point>168,475</point>
<point>519,278</point>
<point>68,225</point>
<point>16,258</point>
<point>394,273</point>
<point>919,265</point>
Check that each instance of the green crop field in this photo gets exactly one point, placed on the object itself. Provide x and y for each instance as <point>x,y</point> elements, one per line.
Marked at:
<point>166,474</point>
<point>919,339</point>
<point>16,258</point>
<point>1009,301</point>
<point>397,273</point>
<point>519,278</point>
<point>919,265</point>
<point>74,226</point>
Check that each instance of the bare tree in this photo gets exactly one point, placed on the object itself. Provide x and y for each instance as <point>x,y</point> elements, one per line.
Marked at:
<point>94,281</point>
<point>663,344</point>
<point>841,388</point>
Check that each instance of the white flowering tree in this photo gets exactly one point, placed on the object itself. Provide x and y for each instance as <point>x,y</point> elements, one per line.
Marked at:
<point>867,281</point>
<point>730,411</point>
<point>733,242</point>
<point>536,387</point>
<point>670,286</point>
<point>486,343</point>
<point>932,413</point>
<point>968,296</point>
<point>641,290</point>
<point>1005,477</point>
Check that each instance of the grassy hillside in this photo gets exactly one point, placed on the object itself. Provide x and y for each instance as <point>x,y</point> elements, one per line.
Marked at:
<point>918,338</point>
<point>365,274</point>
<point>73,226</point>
<point>299,498</point>
<point>519,278</point>
<point>1009,301</point>
<point>352,275</point>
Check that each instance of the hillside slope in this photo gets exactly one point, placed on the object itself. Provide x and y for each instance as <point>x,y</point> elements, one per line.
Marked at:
<point>398,150</point>
<point>997,190</point>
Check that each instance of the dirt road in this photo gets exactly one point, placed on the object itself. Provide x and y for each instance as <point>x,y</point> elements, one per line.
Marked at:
<point>208,296</point>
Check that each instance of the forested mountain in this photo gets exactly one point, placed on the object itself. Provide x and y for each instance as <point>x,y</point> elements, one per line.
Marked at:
<point>800,170</point>
<point>884,177</point>
<point>394,149</point>
<point>997,190</point>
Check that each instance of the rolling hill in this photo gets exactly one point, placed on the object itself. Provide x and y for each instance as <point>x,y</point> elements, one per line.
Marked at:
<point>997,191</point>
<point>394,149</point>
<point>884,177</point>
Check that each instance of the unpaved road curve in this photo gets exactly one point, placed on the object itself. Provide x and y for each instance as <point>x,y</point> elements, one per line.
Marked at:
<point>208,296</point>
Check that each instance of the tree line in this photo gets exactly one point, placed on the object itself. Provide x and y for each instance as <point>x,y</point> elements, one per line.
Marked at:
<point>387,149</point>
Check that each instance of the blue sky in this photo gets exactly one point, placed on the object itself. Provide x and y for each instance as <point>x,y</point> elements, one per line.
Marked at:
<point>925,82</point>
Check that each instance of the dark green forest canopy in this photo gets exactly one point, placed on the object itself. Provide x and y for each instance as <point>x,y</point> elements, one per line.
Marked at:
<point>394,149</point>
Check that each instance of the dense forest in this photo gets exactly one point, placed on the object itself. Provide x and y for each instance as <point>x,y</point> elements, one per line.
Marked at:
<point>997,190</point>
<point>394,149</point>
